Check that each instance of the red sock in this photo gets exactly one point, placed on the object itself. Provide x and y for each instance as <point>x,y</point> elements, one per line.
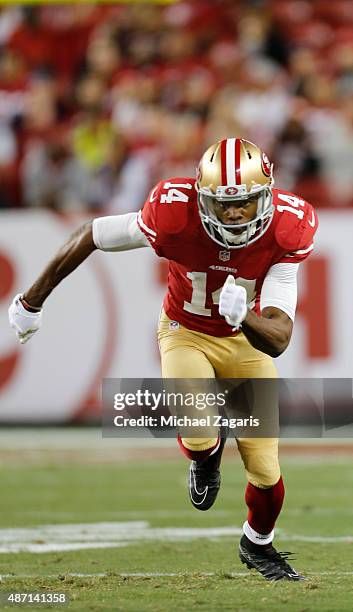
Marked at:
<point>196,455</point>
<point>264,506</point>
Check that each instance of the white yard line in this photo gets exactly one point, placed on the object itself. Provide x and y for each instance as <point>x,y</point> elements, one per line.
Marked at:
<point>80,536</point>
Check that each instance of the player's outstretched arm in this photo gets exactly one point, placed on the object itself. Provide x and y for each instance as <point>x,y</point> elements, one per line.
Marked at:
<point>112,233</point>
<point>25,311</point>
<point>77,248</point>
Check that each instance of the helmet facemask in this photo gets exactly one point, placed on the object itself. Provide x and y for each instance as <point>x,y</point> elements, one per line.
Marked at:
<point>235,236</point>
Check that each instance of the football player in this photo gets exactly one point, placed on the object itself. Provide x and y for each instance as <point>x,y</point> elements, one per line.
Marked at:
<point>234,245</point>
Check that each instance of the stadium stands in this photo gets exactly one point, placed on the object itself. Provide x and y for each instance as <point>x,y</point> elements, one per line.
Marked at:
<point>100,101</point>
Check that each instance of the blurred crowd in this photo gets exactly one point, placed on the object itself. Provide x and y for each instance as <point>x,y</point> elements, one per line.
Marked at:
<point>98,102</point>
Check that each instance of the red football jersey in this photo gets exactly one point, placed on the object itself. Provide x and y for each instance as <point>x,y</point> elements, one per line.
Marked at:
<point>198,266</point>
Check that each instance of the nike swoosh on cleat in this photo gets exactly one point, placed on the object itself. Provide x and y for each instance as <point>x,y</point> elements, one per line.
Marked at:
<point>201,493</point>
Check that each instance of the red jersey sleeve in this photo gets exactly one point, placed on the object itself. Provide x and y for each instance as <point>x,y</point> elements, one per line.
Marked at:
<point>147,217</point>
<point>166,212</point>
<point>295,229</point>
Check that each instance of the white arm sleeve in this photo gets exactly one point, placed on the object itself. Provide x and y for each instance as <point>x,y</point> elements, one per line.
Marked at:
<point>280,288</point>
<point>118,233</point>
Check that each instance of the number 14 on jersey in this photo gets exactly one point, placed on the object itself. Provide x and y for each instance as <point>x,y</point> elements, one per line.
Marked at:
<point>199,293</point>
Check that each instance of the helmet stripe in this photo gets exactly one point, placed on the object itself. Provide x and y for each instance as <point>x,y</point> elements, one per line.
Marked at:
<point>224,162</point>
<point>237,161</point>
<point>230,161</point>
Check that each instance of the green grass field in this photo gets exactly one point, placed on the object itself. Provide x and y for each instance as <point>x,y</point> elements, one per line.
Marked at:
<point>148,561</point>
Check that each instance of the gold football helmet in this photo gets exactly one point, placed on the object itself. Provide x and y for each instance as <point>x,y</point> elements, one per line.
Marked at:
<point>234,170</point>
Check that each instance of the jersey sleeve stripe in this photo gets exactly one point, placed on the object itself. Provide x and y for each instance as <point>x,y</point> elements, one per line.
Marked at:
<point>144,227</point>
<point>301,251</point>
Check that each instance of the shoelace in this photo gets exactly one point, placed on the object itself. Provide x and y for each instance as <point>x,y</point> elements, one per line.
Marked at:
<point>281,558</point>
<point>284,554</point>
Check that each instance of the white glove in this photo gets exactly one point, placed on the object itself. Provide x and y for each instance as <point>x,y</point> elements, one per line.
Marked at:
<point>24,322</point>
<point>232,302</point>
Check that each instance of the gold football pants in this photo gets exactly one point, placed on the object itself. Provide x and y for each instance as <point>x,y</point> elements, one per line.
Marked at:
<point>189,354</point>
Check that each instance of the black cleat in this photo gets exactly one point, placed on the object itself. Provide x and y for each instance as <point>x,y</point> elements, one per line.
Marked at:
<point>205,479</point>
<point>271,564</point>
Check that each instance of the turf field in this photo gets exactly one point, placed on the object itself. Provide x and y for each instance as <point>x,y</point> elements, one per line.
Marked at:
<point>115,531</point>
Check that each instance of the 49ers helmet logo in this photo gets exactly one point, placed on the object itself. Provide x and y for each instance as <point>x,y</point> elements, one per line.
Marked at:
<point>265,164</point>
<point>231,190</point>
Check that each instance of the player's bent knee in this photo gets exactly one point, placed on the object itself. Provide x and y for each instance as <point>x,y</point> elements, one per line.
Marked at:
<point>260,458</point>
<point>264,479</point>
<point>263,470</point>
<point>199,444</point>
<point>198,449</point>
